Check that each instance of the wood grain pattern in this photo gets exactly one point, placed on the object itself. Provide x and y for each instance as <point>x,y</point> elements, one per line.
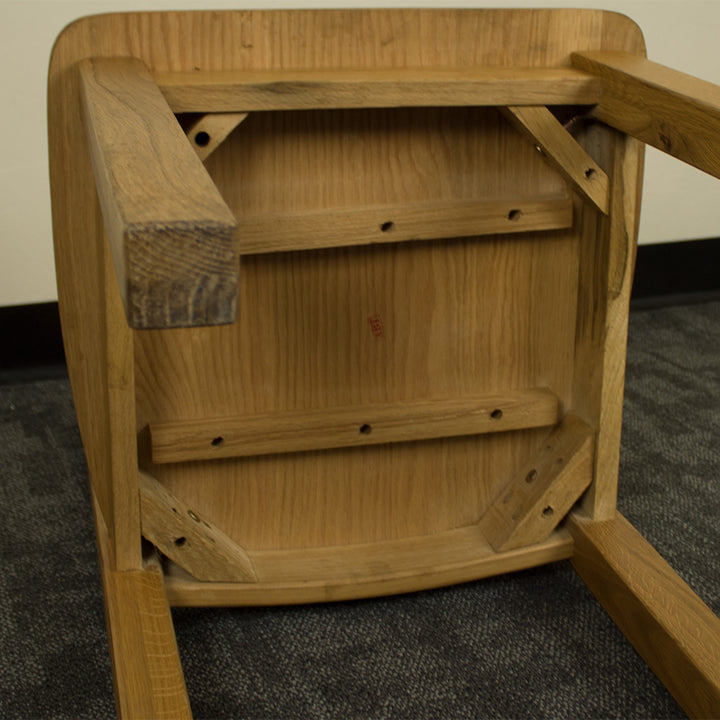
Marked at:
<point>189,540</point>
<point>248,90</point>
<point>117,484</point>
<point>368,570</point>
<point>354,426</point>
<point>560,149</point>
<point>606,270</point>
<point>539,496</point>
<point>172,237</point>
<point>278,357</point>
<point>245,369</point>
<point>671,628</point>
<point>147,674</point>
<point>314,229</point>
<point>674,112</point>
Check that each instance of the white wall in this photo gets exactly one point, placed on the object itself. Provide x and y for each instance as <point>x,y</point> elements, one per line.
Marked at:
<point>679,202</point>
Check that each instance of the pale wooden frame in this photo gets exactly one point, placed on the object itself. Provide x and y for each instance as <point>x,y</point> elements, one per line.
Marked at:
<point>670,626</point>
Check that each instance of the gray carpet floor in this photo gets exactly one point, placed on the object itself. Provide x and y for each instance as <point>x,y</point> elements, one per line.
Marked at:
<point>533,644</point>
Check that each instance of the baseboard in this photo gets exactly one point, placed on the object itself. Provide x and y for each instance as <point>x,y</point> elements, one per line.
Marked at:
<point>677,273</point>
<point>665,274</point>
<point>31,346</point>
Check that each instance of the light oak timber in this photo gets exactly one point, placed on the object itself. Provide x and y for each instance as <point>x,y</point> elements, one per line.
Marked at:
<point>118,479</point>
<point>208,133</point>
<point>491,314</point>
<point>674,112</point>
<point>607,260</point>
<point>668,624</point>
<point>368,570</point>
<point>562,152</point>
<point>296,431</point>
<point>185,537</point>
<point>542,492</point>
<point>252,90</point>
<point>399,223</point>
<point>171,234</point>
<point>147,674</point>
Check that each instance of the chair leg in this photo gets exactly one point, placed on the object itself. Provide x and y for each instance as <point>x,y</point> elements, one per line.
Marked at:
<point>147,674</point>
<point>667,623</point>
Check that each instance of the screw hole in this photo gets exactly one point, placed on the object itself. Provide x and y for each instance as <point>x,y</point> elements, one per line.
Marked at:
<point>590,173</point>
<point>179,542</point>
<point>387,226</point>
<point>365,429</point>
<point>549,511</point>
<point>202,138</point>
<point>216,442</point>
<point>531,476</point>
<point>514,215</point>
<point>496,414</point>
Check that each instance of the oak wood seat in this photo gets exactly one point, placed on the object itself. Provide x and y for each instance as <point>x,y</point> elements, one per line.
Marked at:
<point>353,322</point>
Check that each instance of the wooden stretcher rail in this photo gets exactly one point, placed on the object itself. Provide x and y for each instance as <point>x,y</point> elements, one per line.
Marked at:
<point>672,629</point>
<point>315,229</point>
<point>674,112</point>
<point>327,574</point>
<point>172,237</point>
<point>247,91</point>
<point>354,426</point>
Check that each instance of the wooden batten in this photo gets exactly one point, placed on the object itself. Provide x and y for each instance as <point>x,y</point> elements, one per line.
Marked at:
<point>172,237</point>
<point>354,426</point>
<point>338,227</point>
<point>561,151</point>
<point>247,90</point>
<point>674,112</point>
<point>207,133</point>
<point>539,496</point>
<point>343,572</point>
<point>194,544</point>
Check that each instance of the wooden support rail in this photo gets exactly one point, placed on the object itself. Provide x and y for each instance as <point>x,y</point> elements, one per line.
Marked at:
<point>672,111</point>
<point>193,543</point>
<point>248,90</point>
<point>342,572</point>
<point>302,430</point>
<point>542,492</point>
<point>561,151</point>
<point>172,237</point>
<point>314,229</point>
<point>673,630</point>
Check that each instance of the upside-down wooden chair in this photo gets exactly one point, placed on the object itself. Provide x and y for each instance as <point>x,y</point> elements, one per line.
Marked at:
<point>344,297</point>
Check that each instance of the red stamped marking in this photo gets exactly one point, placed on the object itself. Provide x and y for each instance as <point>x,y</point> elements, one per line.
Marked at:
<point>376,326</point>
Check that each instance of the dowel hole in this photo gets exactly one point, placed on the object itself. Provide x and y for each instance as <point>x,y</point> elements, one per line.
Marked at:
<point>387,226</point>
<point>217,441</point>
<point>590,173</point>
<point>496,414</point>
<point>179,542</point>
<point>365,429</point>
<point>549,511</point>
<point>202,138</point>
<point>514,215</point>
<point>531,476</point>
